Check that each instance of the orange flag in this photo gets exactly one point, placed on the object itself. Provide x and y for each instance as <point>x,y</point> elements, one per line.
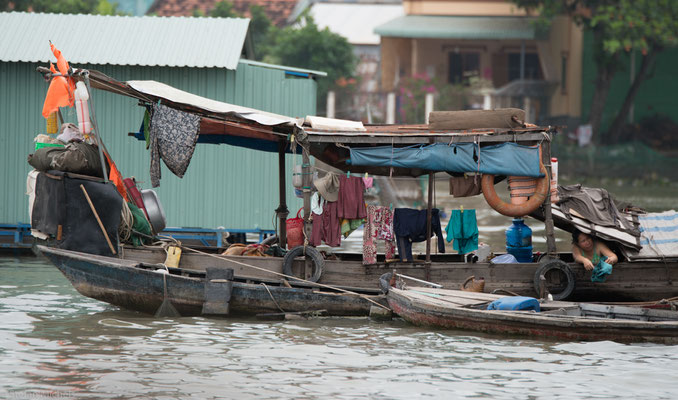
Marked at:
<point>61,89</point>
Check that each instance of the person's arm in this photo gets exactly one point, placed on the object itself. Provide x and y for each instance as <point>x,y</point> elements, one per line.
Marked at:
<point>604,250</point>
<point>579,257</point>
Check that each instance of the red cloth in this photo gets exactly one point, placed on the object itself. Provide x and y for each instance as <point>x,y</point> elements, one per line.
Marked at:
<point>351,202</point>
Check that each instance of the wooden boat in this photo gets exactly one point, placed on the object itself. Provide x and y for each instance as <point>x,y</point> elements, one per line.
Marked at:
<point>141,287</point>
<point>640,279</point>
<point>559,320</point>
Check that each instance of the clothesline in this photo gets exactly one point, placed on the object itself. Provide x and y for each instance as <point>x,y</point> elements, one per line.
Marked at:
<point>379,176</point>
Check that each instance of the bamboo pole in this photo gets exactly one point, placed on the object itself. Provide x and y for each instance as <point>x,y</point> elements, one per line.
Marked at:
<point>96,215</point>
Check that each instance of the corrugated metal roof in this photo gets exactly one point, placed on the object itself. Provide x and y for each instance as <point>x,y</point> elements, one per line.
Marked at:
<point>459,27</point>
<point>355,21</point>
<point>124,40</point>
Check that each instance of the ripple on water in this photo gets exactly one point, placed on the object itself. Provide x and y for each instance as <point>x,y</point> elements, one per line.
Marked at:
<point>55,340</point>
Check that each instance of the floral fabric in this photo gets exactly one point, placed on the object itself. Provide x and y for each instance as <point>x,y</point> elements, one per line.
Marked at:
<point>378,225</point>
<point>173,134</point>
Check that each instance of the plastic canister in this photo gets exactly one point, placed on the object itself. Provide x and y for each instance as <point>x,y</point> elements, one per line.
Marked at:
<point>81,108</point>
<point>519,241</point>
<point>52,126</point>
<point>554,180</point>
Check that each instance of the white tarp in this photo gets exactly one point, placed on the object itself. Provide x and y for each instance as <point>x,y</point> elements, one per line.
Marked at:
<point>175,95</point>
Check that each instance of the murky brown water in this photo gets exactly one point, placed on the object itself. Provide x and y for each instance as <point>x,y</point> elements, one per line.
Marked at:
<point>55,343</point>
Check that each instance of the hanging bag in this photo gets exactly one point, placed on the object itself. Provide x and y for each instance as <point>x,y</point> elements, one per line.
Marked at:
<point>295,231</point>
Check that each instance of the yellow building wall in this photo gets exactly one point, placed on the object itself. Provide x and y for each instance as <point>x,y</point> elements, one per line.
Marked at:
<point>452,7</point>
<point>401,57</point>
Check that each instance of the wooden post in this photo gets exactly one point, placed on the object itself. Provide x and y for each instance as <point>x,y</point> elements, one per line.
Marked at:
<point>548,216</point>
<point>429,216</point>
<point>282,210</point>
<point>306,171</point>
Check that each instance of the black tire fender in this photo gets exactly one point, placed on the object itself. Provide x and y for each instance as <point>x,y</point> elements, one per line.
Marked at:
<point>305,251</point>
<point>558,265</point>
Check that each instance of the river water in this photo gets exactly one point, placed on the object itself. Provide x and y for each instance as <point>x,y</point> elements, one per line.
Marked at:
<point>55,343</point>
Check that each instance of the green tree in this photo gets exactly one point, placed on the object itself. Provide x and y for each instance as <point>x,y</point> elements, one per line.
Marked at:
<point>223,9</point>
<point>308,47</point>
<point>100,7</point>
<point>617,26</point>
<point>645,26</point>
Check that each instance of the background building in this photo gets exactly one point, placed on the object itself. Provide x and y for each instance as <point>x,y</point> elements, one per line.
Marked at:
<point>224,186</point>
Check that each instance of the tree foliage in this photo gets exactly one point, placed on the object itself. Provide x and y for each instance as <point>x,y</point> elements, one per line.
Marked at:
<point>618,27</point>
<point>307,46</point>
<point>99,7</point>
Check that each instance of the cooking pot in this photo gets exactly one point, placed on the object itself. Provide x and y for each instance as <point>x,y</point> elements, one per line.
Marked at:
<point>156,215</point>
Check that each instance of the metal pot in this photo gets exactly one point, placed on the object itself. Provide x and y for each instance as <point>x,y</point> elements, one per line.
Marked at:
<point>156,214</point>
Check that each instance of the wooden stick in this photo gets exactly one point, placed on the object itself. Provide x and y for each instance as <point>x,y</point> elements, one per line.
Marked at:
<point>96,215</point>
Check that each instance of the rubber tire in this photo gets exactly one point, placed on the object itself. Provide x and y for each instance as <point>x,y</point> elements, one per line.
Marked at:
<point>270,241</point>
<point>316,257</point>
<point>551,264</point>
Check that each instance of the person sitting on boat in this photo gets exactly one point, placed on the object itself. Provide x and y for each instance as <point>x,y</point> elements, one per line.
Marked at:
<point>590,252</point>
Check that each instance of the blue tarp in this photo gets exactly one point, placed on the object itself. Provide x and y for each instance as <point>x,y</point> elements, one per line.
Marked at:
<point>501,159</point>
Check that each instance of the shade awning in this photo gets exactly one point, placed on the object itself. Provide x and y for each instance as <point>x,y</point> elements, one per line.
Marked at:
<point>461,27</point>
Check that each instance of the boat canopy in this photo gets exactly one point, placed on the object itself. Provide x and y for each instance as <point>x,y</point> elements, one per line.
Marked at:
<point>500,159</point>
<point>336,141</point>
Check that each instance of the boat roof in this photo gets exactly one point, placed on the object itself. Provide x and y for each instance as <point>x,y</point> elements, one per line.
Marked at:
<point>251,128</point>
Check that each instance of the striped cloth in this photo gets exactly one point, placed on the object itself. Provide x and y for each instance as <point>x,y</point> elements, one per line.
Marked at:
<point>659,234</point>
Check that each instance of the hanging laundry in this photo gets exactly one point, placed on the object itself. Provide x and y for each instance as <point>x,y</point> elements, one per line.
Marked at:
<point>409,226</point>
<point>326,226</point>
<point>350,225</point>
<point>174,134</point>
<point>378,225</point>
<point>463,228</point>
<point>351,201</point>
<point>465,186</point>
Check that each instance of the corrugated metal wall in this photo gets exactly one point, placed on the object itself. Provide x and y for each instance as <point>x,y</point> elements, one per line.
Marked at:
<point>224,186</point>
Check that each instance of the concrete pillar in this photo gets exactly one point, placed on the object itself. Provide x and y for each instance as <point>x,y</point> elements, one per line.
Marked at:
<point>330,104</point>
<point>390,108</point>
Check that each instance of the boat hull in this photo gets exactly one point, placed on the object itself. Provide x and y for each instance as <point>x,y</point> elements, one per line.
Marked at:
<point>535,325</point>
<point>123,283</point>
<point>630,281</point>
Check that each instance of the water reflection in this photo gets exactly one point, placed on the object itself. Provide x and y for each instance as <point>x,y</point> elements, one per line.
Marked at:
<point>56,341</point>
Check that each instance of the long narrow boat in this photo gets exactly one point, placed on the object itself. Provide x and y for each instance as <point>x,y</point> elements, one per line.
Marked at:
<point>560,320</point>
<point>641,278</point>
<point>142,287</point>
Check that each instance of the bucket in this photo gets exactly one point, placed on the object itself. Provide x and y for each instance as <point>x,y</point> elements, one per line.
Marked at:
<point>295,231</point>
<point>519,241</point>
<point>521,188</point>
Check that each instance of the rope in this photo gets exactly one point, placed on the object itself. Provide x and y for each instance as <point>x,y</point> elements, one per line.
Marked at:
<point>272,298</point>
<point>362,296</point>
<point>126,222</point>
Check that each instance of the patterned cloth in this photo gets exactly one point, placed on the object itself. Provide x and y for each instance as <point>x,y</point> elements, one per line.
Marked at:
<point>174,134</point>
<point>378,225</point>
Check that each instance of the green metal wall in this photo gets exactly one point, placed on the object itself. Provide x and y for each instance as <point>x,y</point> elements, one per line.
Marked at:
<point>224,186</point>
<point>656,95</point>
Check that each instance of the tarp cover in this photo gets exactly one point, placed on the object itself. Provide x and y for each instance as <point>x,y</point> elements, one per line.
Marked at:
<point>659,235</point>
<point>502,159</point>
<point>59,200</point>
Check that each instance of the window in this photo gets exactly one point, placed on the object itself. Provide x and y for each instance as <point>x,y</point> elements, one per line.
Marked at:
<point>463,66</point>
<point>532,67</point>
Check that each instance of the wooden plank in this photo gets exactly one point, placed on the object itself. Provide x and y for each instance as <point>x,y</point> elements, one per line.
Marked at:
<point>468,119</point>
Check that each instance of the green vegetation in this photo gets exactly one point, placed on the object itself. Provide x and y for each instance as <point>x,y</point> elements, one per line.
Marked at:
<point>99,7</point>
<point>618,26</point>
